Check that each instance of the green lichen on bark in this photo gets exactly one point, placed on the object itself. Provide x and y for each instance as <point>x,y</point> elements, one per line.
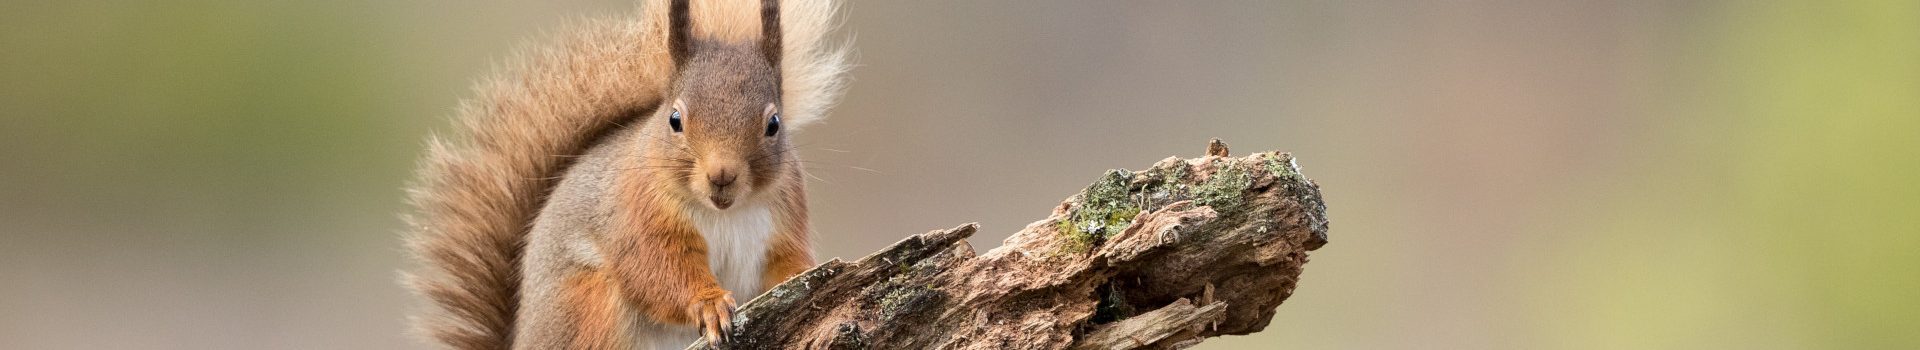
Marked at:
<point>1173,174</point>
<point>1281,165</point>
<point>1102,210</point>
<point>1110,204</point>
<point>1222,190</point>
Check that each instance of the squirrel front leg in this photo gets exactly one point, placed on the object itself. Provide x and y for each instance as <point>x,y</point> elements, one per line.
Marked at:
<point>660,262</point>
<point>791,250</point>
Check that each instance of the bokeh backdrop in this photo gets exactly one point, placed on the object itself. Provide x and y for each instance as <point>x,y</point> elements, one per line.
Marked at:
<point>194,174</point>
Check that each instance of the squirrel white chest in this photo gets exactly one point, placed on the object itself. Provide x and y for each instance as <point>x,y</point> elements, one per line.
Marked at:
<point>737,242</point>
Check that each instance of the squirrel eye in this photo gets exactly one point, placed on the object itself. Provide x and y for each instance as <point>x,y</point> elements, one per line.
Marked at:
<point>673,119</point>
<point>773,125</point>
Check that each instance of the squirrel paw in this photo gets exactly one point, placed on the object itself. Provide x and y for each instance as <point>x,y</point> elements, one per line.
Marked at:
<point>713,311</point>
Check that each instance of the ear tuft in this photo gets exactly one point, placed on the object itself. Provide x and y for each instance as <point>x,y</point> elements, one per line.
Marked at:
<point>770,32</point>
<point>679,32</point>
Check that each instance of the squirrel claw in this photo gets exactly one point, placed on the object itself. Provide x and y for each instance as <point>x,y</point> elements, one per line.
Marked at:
<point>715,316</point>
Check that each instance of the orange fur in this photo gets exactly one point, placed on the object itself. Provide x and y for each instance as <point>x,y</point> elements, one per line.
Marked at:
<point>792,250</point>
<point>593,301</point>
<point>657,255</point>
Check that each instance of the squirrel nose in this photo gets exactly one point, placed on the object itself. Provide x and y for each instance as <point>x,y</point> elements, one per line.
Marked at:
<point>720,178</point>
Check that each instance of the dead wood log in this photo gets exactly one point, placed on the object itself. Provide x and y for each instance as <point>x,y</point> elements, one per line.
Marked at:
<point>1114,267</point>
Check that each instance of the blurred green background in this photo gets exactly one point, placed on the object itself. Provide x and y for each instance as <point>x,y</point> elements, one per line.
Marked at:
<point>1501,174</point>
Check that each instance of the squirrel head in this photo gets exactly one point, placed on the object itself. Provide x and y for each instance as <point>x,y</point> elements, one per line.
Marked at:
<point>722,119</point>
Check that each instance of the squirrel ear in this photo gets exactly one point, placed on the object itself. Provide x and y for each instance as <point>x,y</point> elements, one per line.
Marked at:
<point>770,32</point>
<point>679,32</point>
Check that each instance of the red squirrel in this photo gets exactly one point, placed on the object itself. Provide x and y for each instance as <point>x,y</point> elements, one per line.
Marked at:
<point>622,189</point>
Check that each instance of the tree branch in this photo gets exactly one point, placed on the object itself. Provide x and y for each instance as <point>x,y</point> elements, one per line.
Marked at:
<point>1113,267</point>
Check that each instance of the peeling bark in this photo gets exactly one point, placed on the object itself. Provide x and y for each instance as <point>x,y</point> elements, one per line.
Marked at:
<point>1113,267</point>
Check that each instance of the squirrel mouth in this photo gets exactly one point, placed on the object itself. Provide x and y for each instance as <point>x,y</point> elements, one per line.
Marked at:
<point>720,202</point>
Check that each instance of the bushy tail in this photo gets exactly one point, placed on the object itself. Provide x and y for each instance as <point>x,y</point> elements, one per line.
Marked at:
<point>479,191</point>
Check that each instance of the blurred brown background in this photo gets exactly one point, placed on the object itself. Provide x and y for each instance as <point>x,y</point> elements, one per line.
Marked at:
<point>1501,174</point>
